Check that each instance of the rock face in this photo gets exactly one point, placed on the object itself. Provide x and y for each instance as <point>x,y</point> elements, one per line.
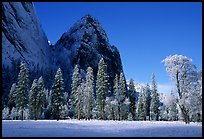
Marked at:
<point>23,39</point>
<point>22,36</point>
<point>87,42</point>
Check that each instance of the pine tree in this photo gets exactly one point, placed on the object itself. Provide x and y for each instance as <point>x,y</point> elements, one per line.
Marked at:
<point>155,103</point>
<point>79,96</point>
<point>12,96</point>
<point>5,113</point>
<point>132,97</point>
<point>125,109</point>
<point>56,95</point>
<point>129,117</point>
<point>109,108</point>
<point>141,106</point>
<point>121,95</point>
<point>95,111</point>
<point>116,84</point>
<point>101,87</point>
<point>22,90</point>
<point>14,114</point>
<point>115,101</point>
<point>33,107</point>
<point>41,98</point>
<point>76,81</point>
<point>89,90</point>
<point>147,92</point>
<point>173,111</point>
<point>64,112</point>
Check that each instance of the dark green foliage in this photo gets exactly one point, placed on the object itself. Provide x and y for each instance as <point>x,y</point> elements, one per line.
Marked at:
<point>76,82</point>
<point>155,102</point>
<point>101,87</point>
<point>132,97</point>
<point>12,97</point>
<point>22,90</point>
<point>33,105</point>
<point>56,95</point>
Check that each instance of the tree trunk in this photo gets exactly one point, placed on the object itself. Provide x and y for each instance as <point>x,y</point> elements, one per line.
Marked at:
<point>21,114</point>
<point>78,111</point>
<point>185,114</point>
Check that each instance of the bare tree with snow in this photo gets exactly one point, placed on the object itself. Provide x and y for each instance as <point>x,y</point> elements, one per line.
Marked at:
<point>180,68</point>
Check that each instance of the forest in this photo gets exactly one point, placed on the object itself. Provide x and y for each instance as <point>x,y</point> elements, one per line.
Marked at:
<point>92,99</point>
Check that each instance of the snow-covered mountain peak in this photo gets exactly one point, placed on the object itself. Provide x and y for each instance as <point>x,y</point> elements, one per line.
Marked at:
<point>87,42</point>
<point>85,30</point>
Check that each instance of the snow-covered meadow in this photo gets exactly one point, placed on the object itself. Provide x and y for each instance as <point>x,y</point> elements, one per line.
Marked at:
<point>98,128</point>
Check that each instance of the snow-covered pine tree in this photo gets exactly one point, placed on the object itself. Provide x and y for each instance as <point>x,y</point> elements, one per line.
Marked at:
<point>22,89</point>
<point>95,110</point>
<point>141,106</point>
<point>115,101</point>
<point>101,87</point>
<point>155,103</point>
<point>64,112</point>
<point>125,107</point>
<point>47,97</point>
<point>76,81</point>
<point>129,117</point>
<point>121,95</point>
<point>79,101</point>
<point>41,98</point>
<point>56,95</point>
<point>116,84</point>
<point>14,114</point>
<point>89,93</point>
<point>33,107</point>
<point>47,112</point>
<point>148,100</point>
<point>5,113</point>
<point>12,96</point>
<point>132,97</point>
<point>109,109</point>
<point>172,107</point>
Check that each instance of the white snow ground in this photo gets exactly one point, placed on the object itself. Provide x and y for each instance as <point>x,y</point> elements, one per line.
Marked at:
<point>98,128</point>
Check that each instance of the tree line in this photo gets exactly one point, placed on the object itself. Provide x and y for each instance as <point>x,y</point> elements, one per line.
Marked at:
<point>90,99</point>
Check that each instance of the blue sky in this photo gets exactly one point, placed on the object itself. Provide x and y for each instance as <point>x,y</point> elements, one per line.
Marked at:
<point>144,32</point>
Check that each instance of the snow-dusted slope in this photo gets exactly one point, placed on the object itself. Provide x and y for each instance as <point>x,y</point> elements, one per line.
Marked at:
<point>98,128</point>
<point>22,35</point>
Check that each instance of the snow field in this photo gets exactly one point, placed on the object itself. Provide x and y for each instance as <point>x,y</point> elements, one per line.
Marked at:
<point>99,128</point>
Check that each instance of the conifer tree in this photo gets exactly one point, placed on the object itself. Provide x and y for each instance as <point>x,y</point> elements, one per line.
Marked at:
<point>121,95</point>
<point>14,114</point>
<point>147,92</point>
<point>141,106</point>
<point>101,87</point>
<point>12,96</point>
<point>89,90</point>
<point>22,89</point>
<point>56,95</point>
<point>41,98</point>
<point>33,107</point>
<point>116,85</point>
<point>79,97</point>
<point>172,107</point>
<point>155,102</point>
<point>132,98</point>
<point>116,95</point>
<point>76,82</point>
<point>125,107</point>
<point>5,113</point>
